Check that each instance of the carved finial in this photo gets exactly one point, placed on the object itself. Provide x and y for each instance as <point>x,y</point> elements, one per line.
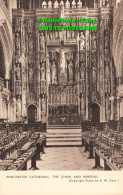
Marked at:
<point>62,2</point>
<point>73,4</point>
<point>67,4</point>
<point>79,4</point>
<point>56,4</point>
<point>50,4</point>
<point>44,4</point>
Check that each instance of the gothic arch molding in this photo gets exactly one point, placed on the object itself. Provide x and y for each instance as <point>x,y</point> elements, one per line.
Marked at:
<point>118,53</point>
<point>32,105</point>
<point>6,42</point>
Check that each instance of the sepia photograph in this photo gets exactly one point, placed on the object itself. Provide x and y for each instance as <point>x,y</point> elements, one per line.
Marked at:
<point>61,91</point>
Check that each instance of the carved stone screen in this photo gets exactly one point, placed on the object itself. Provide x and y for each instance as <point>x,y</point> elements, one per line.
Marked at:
<point>63,73</point>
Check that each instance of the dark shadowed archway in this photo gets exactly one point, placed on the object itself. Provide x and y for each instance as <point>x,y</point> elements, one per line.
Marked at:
<point>95,111</point>
<point>31,113</point>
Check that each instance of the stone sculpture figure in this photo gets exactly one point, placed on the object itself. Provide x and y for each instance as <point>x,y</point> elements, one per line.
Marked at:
<point>31,42</point>
<point>107,71</point>
<point>68,34</point>
<point>43,71</point>
<point>73,34</point>
<point>106,39</point>
<point>107,3</point>
<point>54,72</point>
<point>17,42</point>
<point>42,42</point>
<point>103,3</point>
<point>56,34</point>
<point>30,74</point>
<point>70,71</point>
<point>94,41</point>
<point>82,41</point>
<point>18,72</point>
<point>94,72</point>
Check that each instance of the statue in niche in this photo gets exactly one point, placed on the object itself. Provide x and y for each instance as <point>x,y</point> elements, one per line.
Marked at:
<point>70,71</point>
<point>69,56</point>
<point>54,56</point>
<point>68,34</point>
<point>82,41</point>
<point>54,72</point>
<point>107,3</point>
<point>48,75</point>
<point>94,41</point>
<point>43,103</point>
<point>18,88</point>
<point>73,34</point>
<point>31,74</point>
<point>17,42</point>
<point>48,69</point>
<point>18,72</point>
<point>87,44</point>
<point>42,42</point>
<point>107,71</point>
<point>62,61</point>
<point>56,34</point>
<point>51,35</point>
<point>43,71</point>
<point>18,108</point>
<point>107,39</point>
<point>61,35</point>
<point>82,70</point>
<point>94,74</point>
<point>31,42</point>
<point>43,57</point>
<point>103,3</point>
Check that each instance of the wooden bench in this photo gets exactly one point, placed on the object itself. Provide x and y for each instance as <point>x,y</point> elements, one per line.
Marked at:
<point>21,162</point>
<point>110,162</point>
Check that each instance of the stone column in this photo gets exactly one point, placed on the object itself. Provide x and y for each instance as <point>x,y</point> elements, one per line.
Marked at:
<point>1,112</point>
<point>29,4</point>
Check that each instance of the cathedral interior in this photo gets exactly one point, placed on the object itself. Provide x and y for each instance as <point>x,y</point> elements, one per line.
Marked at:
<point>61,88</point>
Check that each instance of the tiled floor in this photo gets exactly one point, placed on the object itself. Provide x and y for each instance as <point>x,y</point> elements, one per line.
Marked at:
<point>65,158</point>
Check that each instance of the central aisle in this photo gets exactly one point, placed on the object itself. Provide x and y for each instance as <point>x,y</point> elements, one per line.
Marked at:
<point>65,158</point>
